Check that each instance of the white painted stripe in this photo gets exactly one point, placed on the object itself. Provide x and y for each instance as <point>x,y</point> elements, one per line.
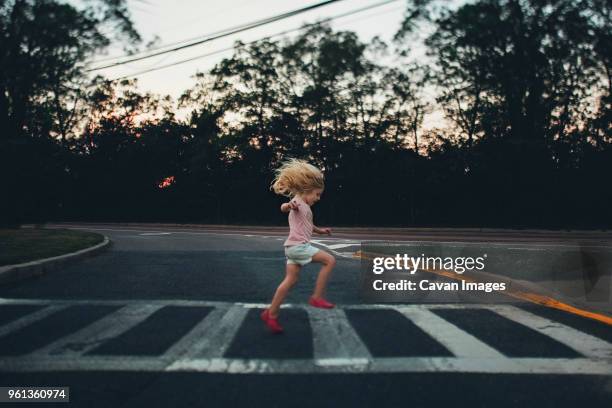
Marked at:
<point>98,332</point>
<point>213,303</point>
<point>191,342</point>
<point>350,255</point>
<point>338,246</point>
<point>187,302</point>
<point>123,302</point>
<point>29,319</point>
<point>494,366</point>
<point>457,341</point>
<point>84,363</point>
<point>223,330</point>
<point>334,339</point>
<point>326,241</point>
<point>156,233</point>
<point>467,305</point>
<point>585,344</point>
<point>342,361</point>
<point>578,366</point>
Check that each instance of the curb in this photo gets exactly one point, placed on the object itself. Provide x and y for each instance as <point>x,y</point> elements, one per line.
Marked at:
<point>17,272</point>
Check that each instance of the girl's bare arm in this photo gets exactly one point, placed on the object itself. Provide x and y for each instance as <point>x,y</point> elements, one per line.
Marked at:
<point>319,230</point>
<point>291,205</point>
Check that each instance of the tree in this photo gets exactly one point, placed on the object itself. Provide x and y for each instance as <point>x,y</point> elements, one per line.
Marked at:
<point>528,65</point>
<point>44,45</point>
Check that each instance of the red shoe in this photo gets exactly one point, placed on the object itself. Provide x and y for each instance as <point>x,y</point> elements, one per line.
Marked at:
<point>320,302</point>
<point>271,322</point>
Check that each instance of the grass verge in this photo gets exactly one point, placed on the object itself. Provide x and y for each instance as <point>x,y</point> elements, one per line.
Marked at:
<point>24,245</point>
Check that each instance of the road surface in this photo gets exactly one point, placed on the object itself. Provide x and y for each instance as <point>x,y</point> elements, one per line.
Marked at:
<point>168,316</point>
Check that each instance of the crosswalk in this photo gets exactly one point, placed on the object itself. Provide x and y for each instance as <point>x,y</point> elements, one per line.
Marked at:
<point>224,337</point>
<point>344,248</point>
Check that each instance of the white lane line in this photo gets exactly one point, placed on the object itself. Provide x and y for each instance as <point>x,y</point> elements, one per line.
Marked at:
<point>332,249</point>
<point>186,302</point>
<point>558,366</point>
<point>123,302</point>
<point>30,318</point>
<point>575,366</point>
<point>104,329</point>
<point>456,340</point>
<point>84,363</point>
<point>222,327</point>
<point>334,340</point>
<point>338,246</point>
<point>155,233</point>
<point>199,337</point>
<point>583,343</point>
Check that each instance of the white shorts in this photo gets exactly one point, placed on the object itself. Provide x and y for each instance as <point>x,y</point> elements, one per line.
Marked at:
<point>300,254</point>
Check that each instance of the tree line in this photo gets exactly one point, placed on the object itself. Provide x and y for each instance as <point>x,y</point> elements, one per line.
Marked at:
<point>525,87</point>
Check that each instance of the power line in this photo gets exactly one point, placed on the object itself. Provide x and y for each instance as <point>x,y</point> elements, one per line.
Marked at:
<point>245,27</point>
<point>145,71</point>
<point>171,44</point>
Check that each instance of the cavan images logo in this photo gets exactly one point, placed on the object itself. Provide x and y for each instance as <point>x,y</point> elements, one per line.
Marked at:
<point>401,264</point>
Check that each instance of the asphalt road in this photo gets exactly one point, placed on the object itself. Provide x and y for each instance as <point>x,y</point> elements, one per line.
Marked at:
<point>168,316</point>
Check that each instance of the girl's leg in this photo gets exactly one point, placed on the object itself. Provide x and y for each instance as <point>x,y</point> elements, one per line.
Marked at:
<point>291,277</point>
<point>328,262</point>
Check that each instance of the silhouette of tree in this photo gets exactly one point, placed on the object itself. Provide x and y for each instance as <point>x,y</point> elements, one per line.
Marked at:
<point>525,84</point>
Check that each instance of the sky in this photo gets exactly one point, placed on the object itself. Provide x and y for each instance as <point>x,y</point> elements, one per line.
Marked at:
<point>178,20</point>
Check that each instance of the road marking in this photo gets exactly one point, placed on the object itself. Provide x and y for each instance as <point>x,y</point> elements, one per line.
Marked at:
<point>223,327</point>
<point>90,337</point>
<point>541,300</point>
<point>456,340</point>
<point>155,233</point>
<point>30,318</point>
<point>203,336</point>
<point>338,246</point>
<point>585,344</point>
<point>334,340</point>
<point>332,248</point>
<point>337,346</point>
<point>556,366</point>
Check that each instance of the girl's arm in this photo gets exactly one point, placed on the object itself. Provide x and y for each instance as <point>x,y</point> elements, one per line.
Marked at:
<point>291,205</point>
<point>318,230</point>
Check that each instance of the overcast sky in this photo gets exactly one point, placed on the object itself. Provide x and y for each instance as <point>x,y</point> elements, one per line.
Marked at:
<point>174,21</point>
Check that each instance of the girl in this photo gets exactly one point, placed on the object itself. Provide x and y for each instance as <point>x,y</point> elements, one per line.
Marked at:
<point>302,182</point>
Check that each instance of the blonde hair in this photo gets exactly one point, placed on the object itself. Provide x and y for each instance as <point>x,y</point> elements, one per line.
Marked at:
<point>296,176</point>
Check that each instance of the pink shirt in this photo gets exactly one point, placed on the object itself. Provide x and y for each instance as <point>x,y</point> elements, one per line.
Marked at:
<point>300,224</point>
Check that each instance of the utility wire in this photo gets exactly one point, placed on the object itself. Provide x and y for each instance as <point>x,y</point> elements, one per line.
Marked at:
<point>245,27</point>
<point>171,44</point>
<point>382,3</point>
